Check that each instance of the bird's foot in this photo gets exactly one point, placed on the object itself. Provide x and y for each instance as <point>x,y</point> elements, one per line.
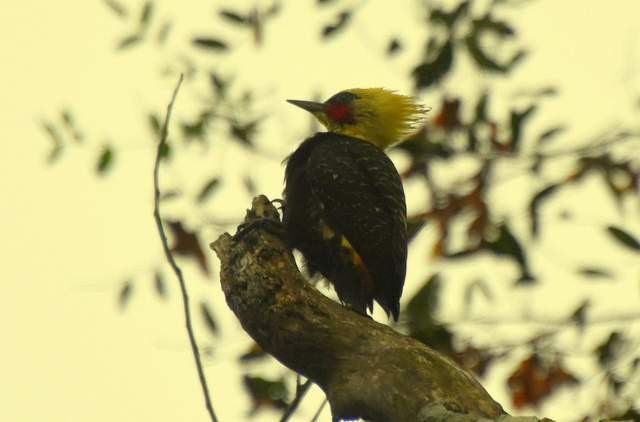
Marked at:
<point>274,227</point>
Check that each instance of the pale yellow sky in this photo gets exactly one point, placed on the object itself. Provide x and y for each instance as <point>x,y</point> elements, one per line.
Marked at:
<point>71,239</point>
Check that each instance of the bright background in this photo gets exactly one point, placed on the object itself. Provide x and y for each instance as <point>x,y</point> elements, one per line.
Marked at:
<point>71,239</point>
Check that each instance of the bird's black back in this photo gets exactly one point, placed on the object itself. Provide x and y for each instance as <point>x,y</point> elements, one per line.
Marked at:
<point>351,187</point>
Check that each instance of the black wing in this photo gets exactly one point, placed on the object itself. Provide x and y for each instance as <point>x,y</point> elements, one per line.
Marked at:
<point>363,197</point>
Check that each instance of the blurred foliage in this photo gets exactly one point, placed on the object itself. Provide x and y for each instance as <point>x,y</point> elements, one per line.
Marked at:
<point>461,127</point>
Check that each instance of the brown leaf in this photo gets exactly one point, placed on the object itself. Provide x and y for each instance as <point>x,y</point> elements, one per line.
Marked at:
<point>534,380</point>
<point>448,118</point>
<point>186,243</point>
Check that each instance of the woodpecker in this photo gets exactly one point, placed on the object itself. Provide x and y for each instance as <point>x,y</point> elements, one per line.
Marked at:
<point>344,206</point>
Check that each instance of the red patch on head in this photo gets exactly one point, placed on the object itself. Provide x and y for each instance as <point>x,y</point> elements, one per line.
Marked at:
<point>339,112</point>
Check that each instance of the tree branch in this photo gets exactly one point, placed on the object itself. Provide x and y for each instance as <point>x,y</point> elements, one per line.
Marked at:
<point>172,262</point>
<point>366,369</point>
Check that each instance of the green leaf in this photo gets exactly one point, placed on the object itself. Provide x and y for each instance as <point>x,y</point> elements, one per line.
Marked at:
<point>145,15</point>
<point>125,294</point>
<point>129,41</point>
<point>434,69</point>
<point>213,44</point>
<point>105,160</point>
<point>208,189</point>
<point>342,20</point>
<point>209,320</point>
<point>624,238</point>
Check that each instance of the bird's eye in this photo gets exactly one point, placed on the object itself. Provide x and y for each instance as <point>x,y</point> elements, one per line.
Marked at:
<point>340,113</point>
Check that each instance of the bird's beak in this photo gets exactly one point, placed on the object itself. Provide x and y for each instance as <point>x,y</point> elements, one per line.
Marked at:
<point>310,106</point>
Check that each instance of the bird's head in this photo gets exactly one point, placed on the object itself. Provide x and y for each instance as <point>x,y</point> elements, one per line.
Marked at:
<point>377,115</point>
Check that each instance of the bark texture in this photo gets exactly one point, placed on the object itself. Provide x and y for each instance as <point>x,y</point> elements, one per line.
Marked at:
<point>365,368</point>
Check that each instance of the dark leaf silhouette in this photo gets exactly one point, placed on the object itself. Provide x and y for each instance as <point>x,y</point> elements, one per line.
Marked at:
<point>579,316</point>
<point>506,244</point>
<point>244,131</point>
<point>155,124</point>
<point>208,188</point>
<point>624,238</point>
<point>212,44</point>
<point>163,32</point>
<point>160,284</point>
<point>549,134</point>
<point>534,206</point>
<point>518,119</point>
<point>70,125</point>
<point>481,114</point>
<point>105,160</point>
<point>249,185</point>
<point>266,393</point>
<point>435,68</point>
<point>116,8</point>
<point>394,47</point>
<point>145,15</point>
<point>484,61</point>
<point>165,151</point>
<point>129,41</point>
<point>125,294</point>
<point>219,85</point>
<point>609,350</point>
<point>449,19</point>
<point>208,318</point>
<point>593,272</point>
<point>342,20</point>
<point>235,17</point>
<point>56,138</point>
<point>186,243</point>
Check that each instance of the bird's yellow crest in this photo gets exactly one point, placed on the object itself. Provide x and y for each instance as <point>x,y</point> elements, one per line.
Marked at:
<point>377,115</point>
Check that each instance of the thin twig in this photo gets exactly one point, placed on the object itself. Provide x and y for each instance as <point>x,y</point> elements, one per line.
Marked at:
<point>551,322</point>
<point>317,415</point>
<point>172,262</point>
<point>301,390</point>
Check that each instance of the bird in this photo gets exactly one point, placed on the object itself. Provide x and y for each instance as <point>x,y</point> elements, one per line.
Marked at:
<point>343,205</point>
